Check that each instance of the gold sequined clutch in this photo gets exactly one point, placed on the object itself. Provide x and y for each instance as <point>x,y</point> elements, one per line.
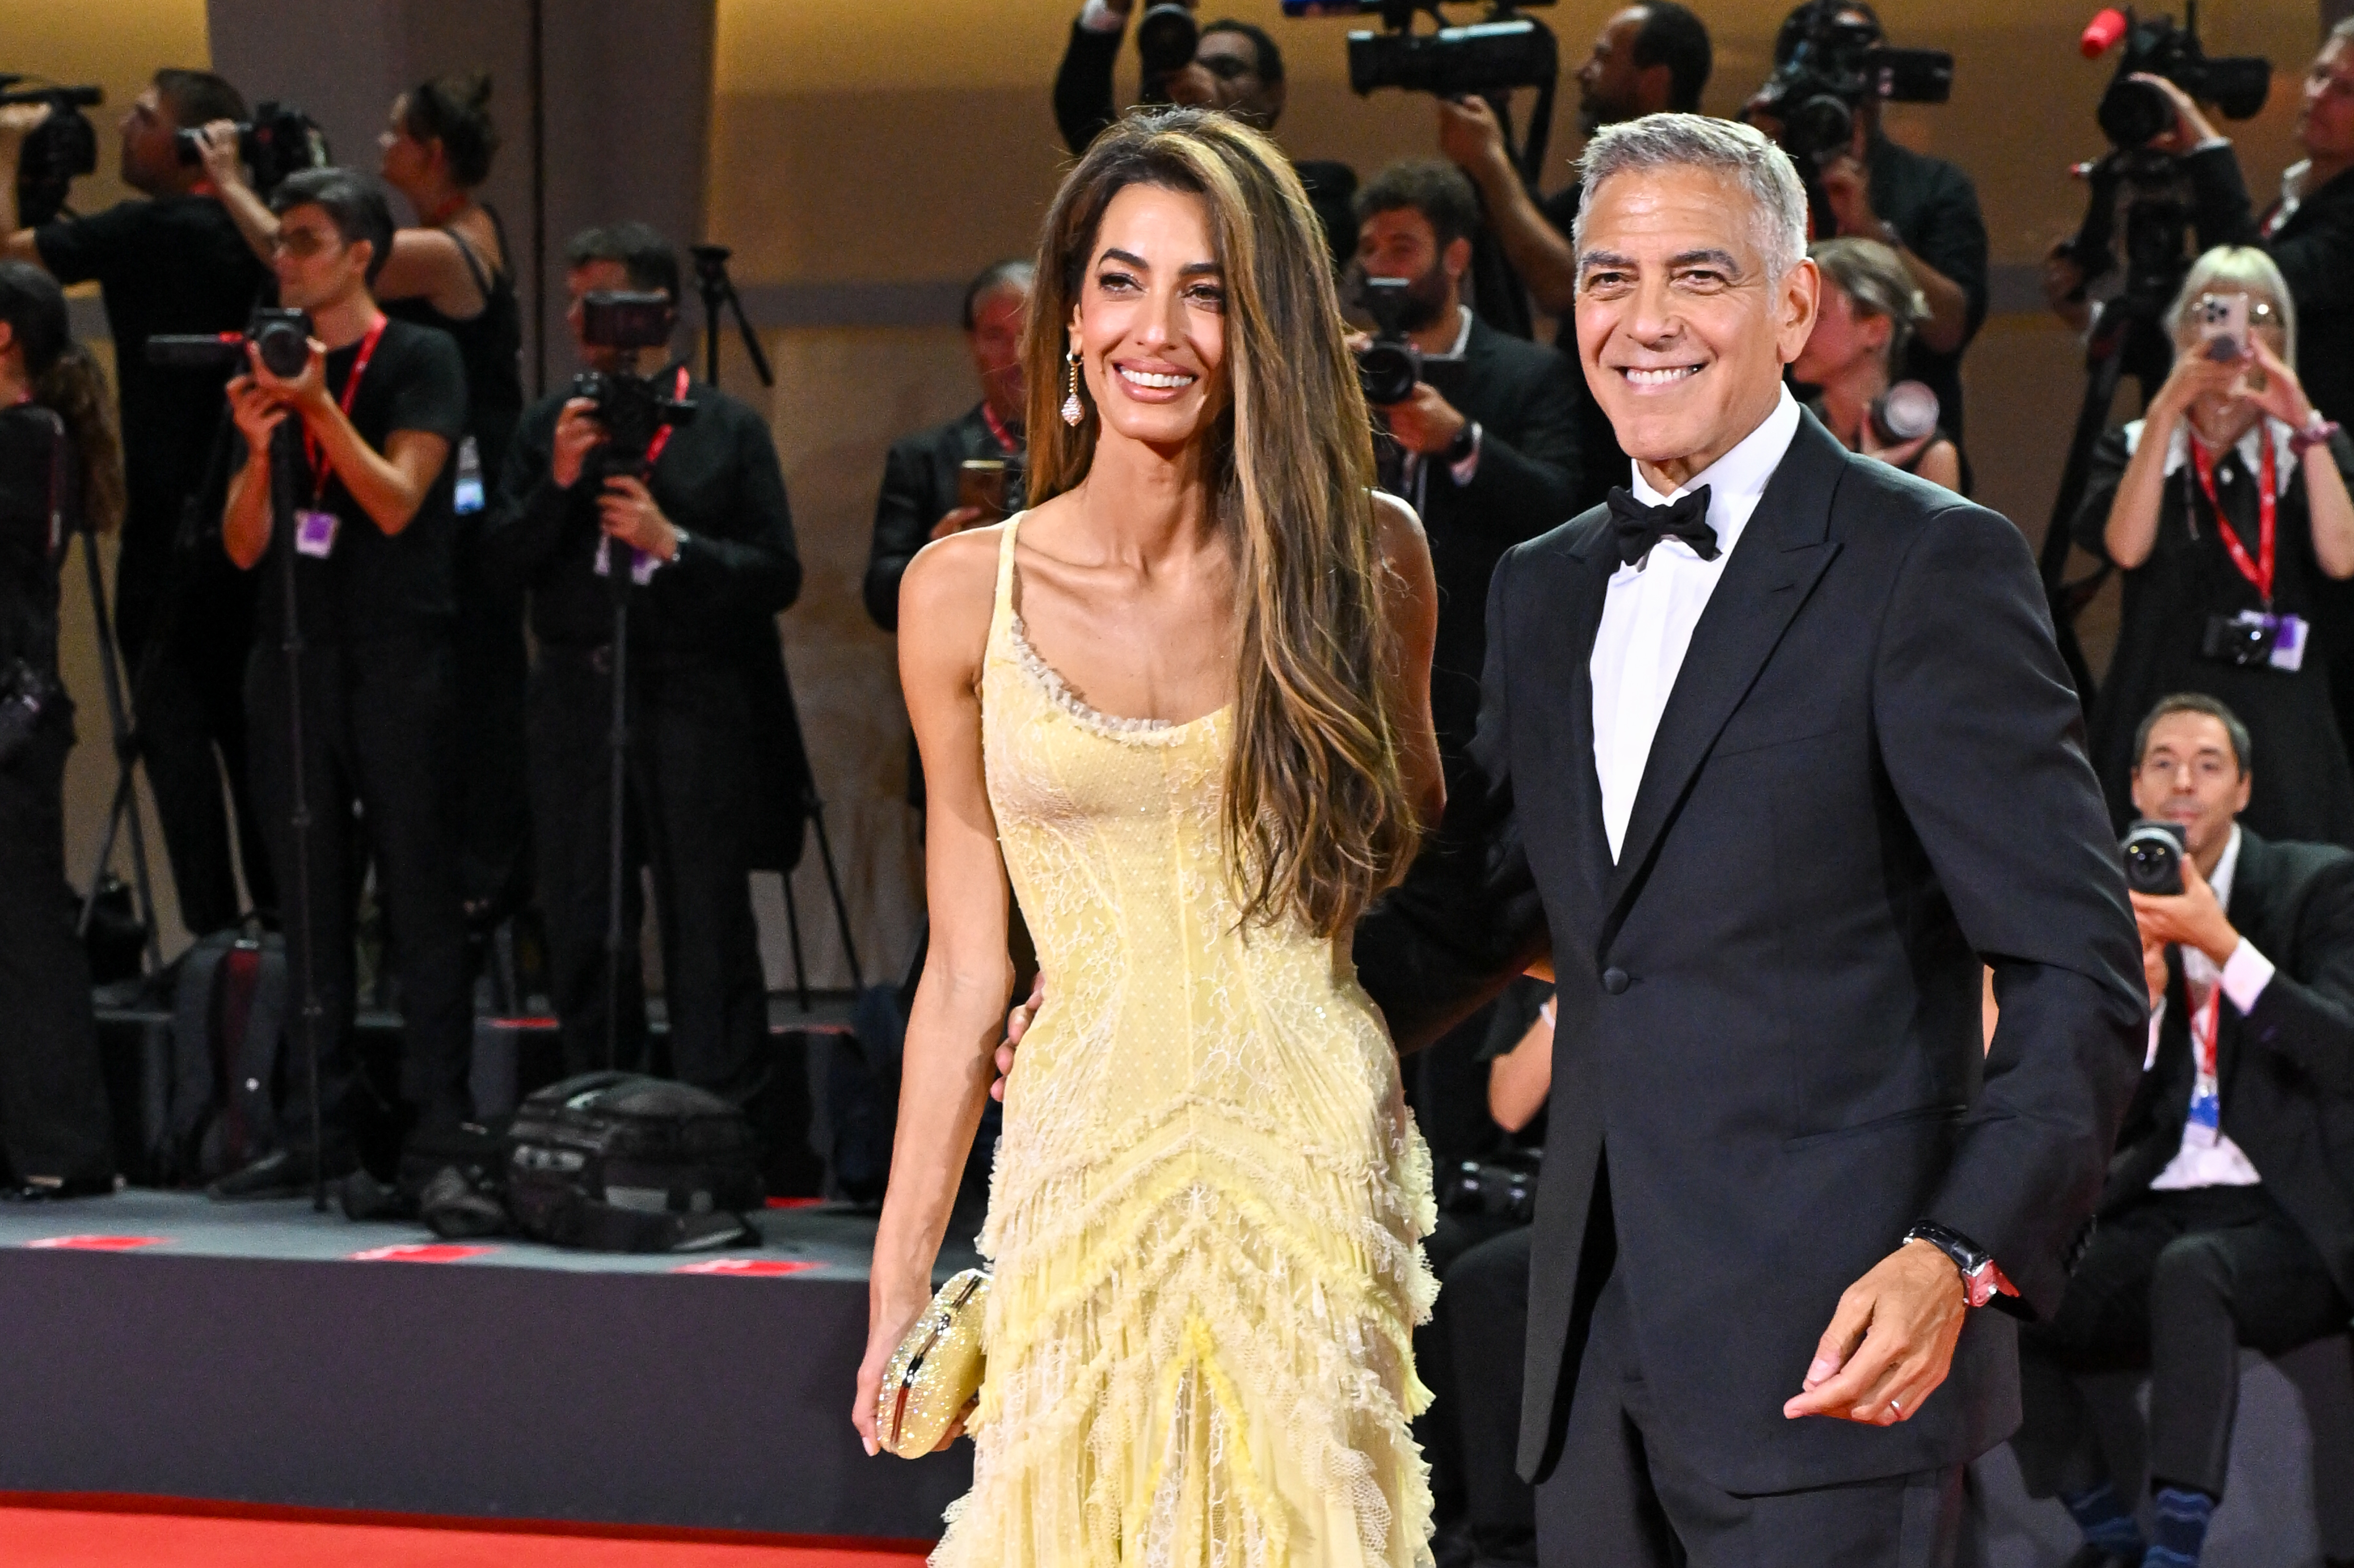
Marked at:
<point>935,1375</point>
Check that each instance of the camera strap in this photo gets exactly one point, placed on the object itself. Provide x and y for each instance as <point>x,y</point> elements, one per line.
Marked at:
<point>1004,437</point>
<point>2259,571</point>
<point>661,436</point>
<point>315,452</point>
<point>2205,1089</point>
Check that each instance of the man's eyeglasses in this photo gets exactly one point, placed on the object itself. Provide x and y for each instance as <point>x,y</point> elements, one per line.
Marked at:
<point>2205,767</point>
<point>301,243</point>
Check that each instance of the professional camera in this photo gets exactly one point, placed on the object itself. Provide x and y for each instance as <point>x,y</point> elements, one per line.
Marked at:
<point>281,338</point>
<point>2132,112</point>
<point>1166,38</point>
<point>1387,367</point>
<point>279,140</point>
<point>1502,51</point>
<point>1504,1192</point>
<point>1828,68</point>
<point>61,149</point>
<point>2154,853</point>
<point>632,407</point>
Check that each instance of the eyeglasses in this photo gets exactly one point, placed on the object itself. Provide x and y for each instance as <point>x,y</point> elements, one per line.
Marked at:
<point>301,243</point>
<point>2206,768</point>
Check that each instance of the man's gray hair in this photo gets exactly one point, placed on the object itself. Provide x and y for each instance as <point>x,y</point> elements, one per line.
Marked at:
<point>1742,153</point>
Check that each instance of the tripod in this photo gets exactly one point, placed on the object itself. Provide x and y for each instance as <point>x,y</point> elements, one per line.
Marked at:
<point>126,758</point>
<point>718,292</point>
<point>2128,336</point>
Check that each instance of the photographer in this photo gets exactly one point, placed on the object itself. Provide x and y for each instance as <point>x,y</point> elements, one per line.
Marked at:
<point>1485,446</point>
<point>452,273</point>
<point>2226,508</point>
<point>57,459</point>
<point>1924,208</point>
<point>1648,60</point>
<point>2224,1221</point>
<point>1236,67</point>
<point>171,262</point>
<point>1868,314</point>
<point>378,409</point>
<point>710,562</point>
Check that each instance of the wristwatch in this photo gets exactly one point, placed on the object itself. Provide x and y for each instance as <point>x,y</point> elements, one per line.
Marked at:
<point>1981,1280</point>
<point>2318,432</point>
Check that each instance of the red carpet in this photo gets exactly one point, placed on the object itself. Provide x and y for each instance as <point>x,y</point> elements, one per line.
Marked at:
<point>110,1537</point>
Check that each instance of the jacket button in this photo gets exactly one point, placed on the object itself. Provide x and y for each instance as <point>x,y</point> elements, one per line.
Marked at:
<point>1615,980</point>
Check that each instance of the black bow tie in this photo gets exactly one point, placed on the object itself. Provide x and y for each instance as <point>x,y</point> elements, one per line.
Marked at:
<point>1638,528</point>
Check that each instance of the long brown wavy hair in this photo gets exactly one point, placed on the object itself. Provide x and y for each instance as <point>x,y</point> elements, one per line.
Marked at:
<point>1316,819</point>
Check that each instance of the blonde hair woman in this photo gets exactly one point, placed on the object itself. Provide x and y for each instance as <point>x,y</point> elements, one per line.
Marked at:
<point>1870,309</point>
<point>2228,500</point>
<point>1183,706</point>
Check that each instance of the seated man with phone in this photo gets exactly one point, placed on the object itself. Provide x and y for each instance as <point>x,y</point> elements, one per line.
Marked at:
<point>2223,1223</point>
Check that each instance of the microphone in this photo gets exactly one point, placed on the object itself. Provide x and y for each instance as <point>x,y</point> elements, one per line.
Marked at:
<point>2102,33</point>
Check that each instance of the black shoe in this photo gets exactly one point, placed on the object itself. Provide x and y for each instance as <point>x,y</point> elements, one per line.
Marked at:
<point>51,1188</point>
<point>281,1173</point>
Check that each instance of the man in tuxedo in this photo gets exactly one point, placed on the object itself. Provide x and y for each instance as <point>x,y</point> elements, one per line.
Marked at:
<point>2222,1222</point>
<point>1774,751</point>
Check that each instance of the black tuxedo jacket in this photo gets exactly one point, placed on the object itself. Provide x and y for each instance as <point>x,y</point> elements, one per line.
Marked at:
<point>2286,1070</point>
<point>1768,1055</point>
<point>920,476</point>
<point>1524,396</point>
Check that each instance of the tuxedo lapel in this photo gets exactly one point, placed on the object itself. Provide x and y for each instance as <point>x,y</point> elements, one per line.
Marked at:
<point>1584,570</point>
<point>1780,555</point>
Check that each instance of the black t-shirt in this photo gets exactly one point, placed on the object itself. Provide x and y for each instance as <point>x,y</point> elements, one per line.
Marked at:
<point>1934,208</point>
<point>372,584</point>
<point>176,264</point>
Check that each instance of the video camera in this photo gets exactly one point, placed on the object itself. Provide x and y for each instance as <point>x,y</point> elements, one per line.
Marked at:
<point>1502,51</point>
<point>61,149</point>
<point>279,141</point>
<point>280,339</point>
<point>1828,68</point>
<point>1387,367</point>
<point>2132,112</point>
<point>630,407</point>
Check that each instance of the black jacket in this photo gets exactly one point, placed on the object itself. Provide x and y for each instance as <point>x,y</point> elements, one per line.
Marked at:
<point>1934,206</point>
<point>1524,397</point>
<point>1870,775</point>
<point>920,488</point>
<point>2286,1070</point>
<point>2314,249</point>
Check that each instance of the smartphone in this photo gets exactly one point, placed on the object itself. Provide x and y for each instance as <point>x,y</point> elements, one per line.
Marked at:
<point>2223,326</point>
<point>981,482</point>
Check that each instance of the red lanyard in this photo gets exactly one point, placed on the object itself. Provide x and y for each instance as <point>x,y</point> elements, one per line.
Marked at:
<point>2260,570</point>
<point>1005,440</point>
<point>661,436</point>
<point>315,452</point>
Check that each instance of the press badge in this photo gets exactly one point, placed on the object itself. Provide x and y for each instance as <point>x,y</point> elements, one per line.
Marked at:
<point>2288,642</point>
<point>466,499</point>
<point>314,533</point>
<point>2205,1122</point>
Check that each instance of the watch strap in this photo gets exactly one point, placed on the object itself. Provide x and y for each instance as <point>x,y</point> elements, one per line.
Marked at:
<point>1981,1279</point>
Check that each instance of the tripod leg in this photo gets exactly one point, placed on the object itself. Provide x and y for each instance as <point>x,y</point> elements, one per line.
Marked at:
<point>126,752</point>
<point>123,796</point>
<point>793,934</point>
<point>834,889</point>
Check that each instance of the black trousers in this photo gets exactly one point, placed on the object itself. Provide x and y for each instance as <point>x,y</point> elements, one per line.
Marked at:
<point>53,1111</point>
<point>183,649</point>
<point>1621,1498</point>
<point>691,782</point>
<point>2174,1284</point>
<point>378,755</point>
<point>492,667</point>
<point>1483,1317</point>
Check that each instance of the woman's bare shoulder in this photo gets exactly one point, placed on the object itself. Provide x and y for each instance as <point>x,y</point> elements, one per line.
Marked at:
<point>946,595</point>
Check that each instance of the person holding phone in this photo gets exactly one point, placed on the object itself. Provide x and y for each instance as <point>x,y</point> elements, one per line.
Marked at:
<point>2226,508</point>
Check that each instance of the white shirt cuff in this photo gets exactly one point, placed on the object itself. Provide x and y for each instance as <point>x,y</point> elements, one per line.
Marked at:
<point>1099,17</point>
<point>2246,974</point>
<point>2157,1021</point>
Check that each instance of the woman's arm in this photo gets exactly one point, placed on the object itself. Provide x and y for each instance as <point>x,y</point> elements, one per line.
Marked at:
<point>426,264</point>
<point>1942,464</point>
<point>1414,614</point>
<point>953,1028</point>
<point>2330,510</point>
<point>1520,1079</point>
<point>2131,532</point>
<point>246,208</point>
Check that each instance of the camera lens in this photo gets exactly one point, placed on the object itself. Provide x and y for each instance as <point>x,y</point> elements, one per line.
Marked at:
<point>1166,39</point>
<point>284,348</point>
<point>2132,112</point>
<point>1387,371</point>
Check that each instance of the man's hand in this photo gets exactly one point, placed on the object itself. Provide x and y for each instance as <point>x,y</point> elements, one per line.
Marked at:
<point>1846,191</point>
<point>1867,441</point>
<point>2154,972</point>
<point>2063,286</point>
<point>2191,918</point>
<point>956,520</point>
<point>305,394</point>
<point>1017,1024</point>
<point>2190,128</point>
<point>577,434</point>
<point>18,121</point>
<point>258,413</point>
<point>1472,138</point>
<point>219,140</point>
<point>1891,1342</point>
<point>627,512</point>
<point>1426,422</point>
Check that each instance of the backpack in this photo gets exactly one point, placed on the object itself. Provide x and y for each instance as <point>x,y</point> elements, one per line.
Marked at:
<point>620,1162</point>
<point>229,1025</point>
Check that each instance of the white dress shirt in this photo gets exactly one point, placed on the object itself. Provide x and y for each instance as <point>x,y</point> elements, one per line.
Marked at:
<point>1651,607</point>
<point>2244,977</point>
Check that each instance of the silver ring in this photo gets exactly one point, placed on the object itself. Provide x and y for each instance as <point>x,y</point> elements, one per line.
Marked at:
<point>1896,1407</point>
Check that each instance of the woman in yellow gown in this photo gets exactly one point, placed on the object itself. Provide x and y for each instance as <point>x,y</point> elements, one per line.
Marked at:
<point>1183,706</point>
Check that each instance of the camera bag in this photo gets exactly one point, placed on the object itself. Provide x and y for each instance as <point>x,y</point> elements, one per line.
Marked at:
<point>620,1162</point>
<point>229,1024</point>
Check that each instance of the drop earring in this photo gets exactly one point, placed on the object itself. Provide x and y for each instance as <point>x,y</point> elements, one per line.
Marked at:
<point>1073,409</point>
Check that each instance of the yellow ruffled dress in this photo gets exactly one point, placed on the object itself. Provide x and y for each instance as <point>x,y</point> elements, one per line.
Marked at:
<point>1209,1194</point>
